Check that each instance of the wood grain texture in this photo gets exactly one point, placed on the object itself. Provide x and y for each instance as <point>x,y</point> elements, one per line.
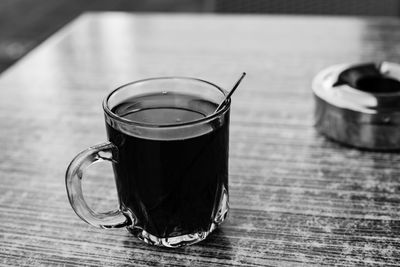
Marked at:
<point>24,23</point>
<point>296,198</point>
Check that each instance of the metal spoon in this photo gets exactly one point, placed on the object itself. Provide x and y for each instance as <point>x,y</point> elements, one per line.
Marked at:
<point>223,103</point>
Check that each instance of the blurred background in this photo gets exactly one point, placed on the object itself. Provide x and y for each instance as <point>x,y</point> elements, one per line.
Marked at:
<point>26,23</point>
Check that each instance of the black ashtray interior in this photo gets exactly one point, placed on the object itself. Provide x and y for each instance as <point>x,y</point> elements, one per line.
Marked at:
<point>369,78</point>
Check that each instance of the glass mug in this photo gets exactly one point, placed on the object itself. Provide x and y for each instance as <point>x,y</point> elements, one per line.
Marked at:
<point>169,152</point>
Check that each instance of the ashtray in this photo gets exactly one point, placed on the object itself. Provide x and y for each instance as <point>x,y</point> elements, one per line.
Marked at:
<point>359,104</point>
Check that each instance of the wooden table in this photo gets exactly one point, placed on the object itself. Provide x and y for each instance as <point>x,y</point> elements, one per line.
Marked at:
<point>296,198</point>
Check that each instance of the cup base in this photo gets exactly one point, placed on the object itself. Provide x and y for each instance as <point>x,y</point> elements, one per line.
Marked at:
<point>189,239</point>
<point>176,241</point>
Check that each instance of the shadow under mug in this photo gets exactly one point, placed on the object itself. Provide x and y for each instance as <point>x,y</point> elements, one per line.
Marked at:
<point>169,152</point>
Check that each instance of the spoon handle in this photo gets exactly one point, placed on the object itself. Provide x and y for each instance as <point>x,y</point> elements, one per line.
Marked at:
<point>222,104</point>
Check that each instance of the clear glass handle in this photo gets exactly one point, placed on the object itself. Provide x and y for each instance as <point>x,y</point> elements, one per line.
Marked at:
<point>105,151</point>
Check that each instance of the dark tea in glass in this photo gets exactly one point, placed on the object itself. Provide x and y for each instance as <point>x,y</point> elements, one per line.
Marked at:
<point>169,150</point>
